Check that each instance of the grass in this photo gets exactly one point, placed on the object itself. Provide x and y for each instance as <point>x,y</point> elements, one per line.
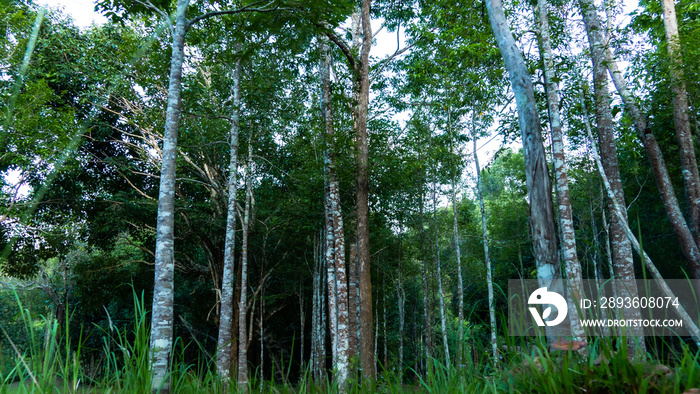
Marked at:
<point>49,364</point>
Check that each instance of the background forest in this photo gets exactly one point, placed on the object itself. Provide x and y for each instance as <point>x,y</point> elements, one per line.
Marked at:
<point>330,224</point>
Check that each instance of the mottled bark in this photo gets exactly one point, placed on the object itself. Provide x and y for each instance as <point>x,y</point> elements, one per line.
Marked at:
<point>336,226</point>
<point>566,223</point>
<point>223,356</point>
<point>441,293</point>
<point>536,171</point>
<point>686,149</point>
<point>362,208</point>
<point>353,341</point>
<point>687,241</point>
<point>164,284</point>
<point>487,256</point>
<point>242,304</point>
<point>621,247</point>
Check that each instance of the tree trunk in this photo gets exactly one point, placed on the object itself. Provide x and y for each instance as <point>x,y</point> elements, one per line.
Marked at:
<point>460,282</point>
<point>336,220</point>
<point>223,359</point>
<point>352,302</point>
<point>318,314</point>
<point>536,172</point>
<point>441,293</point>
<point>427,307</point>
<point>164,284</point>
<point>363,255</point>
<point>566,223</point>
<point>242,329</point>
<point>686,149</point>
<point>621,247</point>
<point>401,297</point>
<point>487,257</point>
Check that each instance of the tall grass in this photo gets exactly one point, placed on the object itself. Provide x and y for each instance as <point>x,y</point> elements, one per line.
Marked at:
<point>49,364</point>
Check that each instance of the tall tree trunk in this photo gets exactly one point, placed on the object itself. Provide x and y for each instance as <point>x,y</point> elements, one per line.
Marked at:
<point>621,247</point>
<point>336,219</point>
<point>566,223</point>
<point>686,149</point>
<point>687,241</point>
<point>302,325</point>
<point>242,304</point>
<point>164,285</point>
<point>363,255</point>
<point>352,302</point>
<point>487,257</point>
<point>460,282</point>
<point>401,297</point>
<point>318,314</point>
<point>427,306</point>
<point>223,356</point>
<point>536,172</point>
<point>441,293</point>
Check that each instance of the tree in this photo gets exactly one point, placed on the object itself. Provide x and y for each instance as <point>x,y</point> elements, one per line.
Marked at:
<point>537,174</point>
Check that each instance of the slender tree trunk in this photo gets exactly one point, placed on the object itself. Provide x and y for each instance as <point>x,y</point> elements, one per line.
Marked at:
<point>460,284</point>
<point>441,294</point>
<point>621,247</point>
<point>363,255</point>
<point>336,218</point>
<point>223,359</point>
<point>686,149</point>
<point>352,302</point>
<point>487,257</point>
<point>536,171</point>
<point>302,325</point>
<point>318,319</point>
<point>401,297</point>
<point>427,313</point>
<point>571,262</point>
<point>164,285</point>
<point>687,241</point>
<point>242,329</point>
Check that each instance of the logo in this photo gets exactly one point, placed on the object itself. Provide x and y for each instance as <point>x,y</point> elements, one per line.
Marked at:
<point>543,297</point>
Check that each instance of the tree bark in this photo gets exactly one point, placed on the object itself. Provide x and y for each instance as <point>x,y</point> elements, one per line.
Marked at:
<point>164,284</point>
<point>340,280</point>
<point>441,293</point>
<point>223,359</point>
<point>460,282</point>
<point>566,223</point>
<point>621,247</point>
<point>363,254</point>
<point>427,306</point>
<point>352,302</point>
<point>242,304</point>
<point>487,257</point>
<point>536,172</point>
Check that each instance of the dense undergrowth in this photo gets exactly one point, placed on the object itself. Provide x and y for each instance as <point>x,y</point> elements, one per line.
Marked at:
<point>49,364</point>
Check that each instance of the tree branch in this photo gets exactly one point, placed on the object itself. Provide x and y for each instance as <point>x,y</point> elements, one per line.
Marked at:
<point>249,8</point>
